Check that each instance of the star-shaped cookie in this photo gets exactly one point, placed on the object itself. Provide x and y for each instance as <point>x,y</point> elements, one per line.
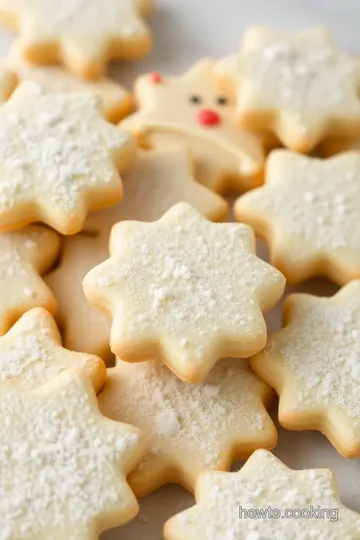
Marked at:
<point>63,465</point>
<point>84,327</point>
<point>60,159</point>
<point>115,100</point>
<point>159,179</point>
<point>308,211</point>
<point>24,256</point>
<point>282,79</point>
<point>314,365</point>
<point>8,83</point>
<point>31,353</point>
<point>264,500</point>
<point>185,291</point>
<point>190,109</point>
<point>189,427</point>
<point>82,35</point>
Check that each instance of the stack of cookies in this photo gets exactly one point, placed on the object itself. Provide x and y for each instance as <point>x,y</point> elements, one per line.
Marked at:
<point>158,304</point>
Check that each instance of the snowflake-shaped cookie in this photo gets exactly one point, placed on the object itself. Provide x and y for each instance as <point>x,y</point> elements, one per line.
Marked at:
<point>191,110</point>
<point>282,79</point>
<point>63,465</point>
<point>115,100</point>
<point>189,427</point>
<point>308,210</point>
<point>31,353</point>
<point>314,365</point>
<point>24,256</point>
<point>159,179</point>
<point>59,158</point>
<point>84,35</point>
<point>185,291</point>
<point>265,500</point>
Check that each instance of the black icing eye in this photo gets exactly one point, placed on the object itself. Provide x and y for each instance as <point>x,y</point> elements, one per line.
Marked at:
<point>195,99</point>
<point>222,100</point>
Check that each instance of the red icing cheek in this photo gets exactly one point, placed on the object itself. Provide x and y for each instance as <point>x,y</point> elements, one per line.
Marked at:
<point>208,117</point>
<point>156,78</point>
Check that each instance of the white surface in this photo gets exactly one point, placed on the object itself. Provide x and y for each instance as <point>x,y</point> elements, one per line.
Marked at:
<point>184,31</point>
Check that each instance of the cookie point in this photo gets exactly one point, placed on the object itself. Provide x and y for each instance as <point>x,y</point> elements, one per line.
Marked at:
<point>156,77</point>
<point>208,117</point>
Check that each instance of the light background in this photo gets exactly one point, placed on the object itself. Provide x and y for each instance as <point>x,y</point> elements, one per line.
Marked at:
<point>185,31</point>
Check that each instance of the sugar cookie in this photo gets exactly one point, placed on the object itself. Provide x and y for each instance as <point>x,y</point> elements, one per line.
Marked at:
<point>333,146</point>
<point>31,353</point>
<point>84,327</point>
<point>314,365</point>
<point>185,291</point>
<point>190,109</point>
<point>308,212</point>
<point>282,79</point>
<point>189,427</point>
<point>8,83</point>
<point>63,465</point>
<point>264,500</point>
<point>84,36</point>
<point>24,256</point>
<point>60,159</point>
<point>158,180</point>
<point>115,100</point>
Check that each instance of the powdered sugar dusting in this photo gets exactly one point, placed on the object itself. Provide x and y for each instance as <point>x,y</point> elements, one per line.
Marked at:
<point>199,282</point>
<point>294,72</point>
<point>320,350</point>
<point>60,462</point>
<point>81,18</point>
<point>24,254</point>
<point>314,200</point>
<point>19,250</point>
<point>77,150</point>
<point>30,354</point>
<point>191,423</point>
<point>264,482</point>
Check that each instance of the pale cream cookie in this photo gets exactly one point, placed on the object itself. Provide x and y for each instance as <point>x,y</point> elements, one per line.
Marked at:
<point>191,109</point>
<point>31,353</point>
<point>60,159</point>
<point>24,256</point>
<point>314,365</point>
<point>265,500</point>
<point>185,291</point>
<point>115,100</point>
<point>159,179</point>
<point>8,83</point>
<point>84,327</point>
<point>189,427</point>
<point>84,35</point>
<point>63,465</point>
<point>298,85</point>
<point>308,211</point>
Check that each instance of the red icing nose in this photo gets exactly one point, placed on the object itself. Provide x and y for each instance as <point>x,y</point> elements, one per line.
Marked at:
<point>207,117</point>
<point>156,77</point>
